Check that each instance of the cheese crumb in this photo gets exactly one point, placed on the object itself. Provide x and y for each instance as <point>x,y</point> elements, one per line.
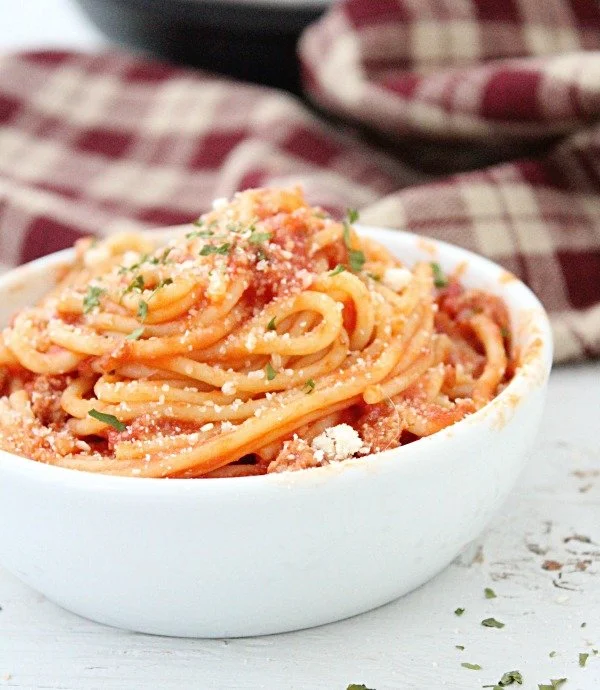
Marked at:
<point>338,442</point>
<point>228,388</point>
<point>396,279</point>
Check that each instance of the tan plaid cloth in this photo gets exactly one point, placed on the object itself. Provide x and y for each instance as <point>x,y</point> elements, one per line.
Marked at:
<point>476,122</point>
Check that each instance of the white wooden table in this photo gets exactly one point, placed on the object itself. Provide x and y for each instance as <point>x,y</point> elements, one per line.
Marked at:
<point>553,515</point>
<point>408,644</point>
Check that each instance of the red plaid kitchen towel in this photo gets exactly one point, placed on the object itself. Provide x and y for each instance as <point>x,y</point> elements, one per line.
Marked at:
<point>506,90</point>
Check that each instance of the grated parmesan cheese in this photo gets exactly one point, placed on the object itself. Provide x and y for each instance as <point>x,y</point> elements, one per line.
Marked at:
<point>338,443</point>
<point>396,279</point>
<point>228,388</point>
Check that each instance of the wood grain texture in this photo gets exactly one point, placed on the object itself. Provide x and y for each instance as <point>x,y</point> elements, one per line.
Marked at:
<point>552,516</point>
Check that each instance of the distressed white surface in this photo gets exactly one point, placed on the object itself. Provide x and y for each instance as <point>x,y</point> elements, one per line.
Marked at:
<point>407,644</point>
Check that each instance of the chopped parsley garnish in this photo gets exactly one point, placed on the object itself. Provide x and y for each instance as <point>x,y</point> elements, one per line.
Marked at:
<point>136,284</point>
<point>261,255</point>
<point>555,684</point>
<point>489,593</point>
<point>374,276</point>
<point>198,223</point>
<point>552,655</point>
<point>237,227</point>
<point>271,373</point>
<point>460,646</point>
<point>109,419</point>
<point>362,686</point>
<point>142,311</point>
<point>133,267</point>
<point>439,278</point>
<point>163,283</point>
<point>259,237</point>
<point>340,268</point>
<point>507,679</point>
<point>201,233</point>
<point>356,258</point>
<point>135,335</point>
<point>271,325</point>
<point>458,612</point>
<point>472,667</point>
<point>162,259</point>
<point>92,298</point>
<point>352,215</point>
<point>309,386</point>
<point>213,249</point>
<point>504,332</point>
<point>492,623</point>
<point>583,657</point>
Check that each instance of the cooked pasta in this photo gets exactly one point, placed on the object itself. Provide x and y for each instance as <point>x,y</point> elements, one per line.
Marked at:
<point>268,337</point>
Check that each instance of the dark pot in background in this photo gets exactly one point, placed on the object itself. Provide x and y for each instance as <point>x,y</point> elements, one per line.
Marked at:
<point>252,41</point>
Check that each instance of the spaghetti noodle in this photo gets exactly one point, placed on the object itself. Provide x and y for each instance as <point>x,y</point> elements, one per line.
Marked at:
<point>268,338</point>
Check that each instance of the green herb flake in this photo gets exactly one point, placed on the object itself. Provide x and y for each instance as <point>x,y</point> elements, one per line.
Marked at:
<point>340,268</point>
<point>133,267</point>
<point>163,283</point>
<point>309,386</point>
<point>362,686</point>
<point>583,625</point>
<point>439,278</point>
<point>375,277</point>
<point>489,593</point>
<point>92,298</point>
<point>459,612</point>
<point>135,335</point>
<point>504,332</point>
<point>271,325</point>
<point>356,258</point>
<point>491,623</point>
<point>199,222</point>
<point>460,646</point>
<point>509,678</point>
<point>352,215</point>
<point>471,667</point>
<point>259,237</point>
<point>199,233</point>
<point>271,373</point>
<point>136,284</point>
<point>142,311</point>
<point>261,255</point>
<point>213,249</point>
<point>555,684</point>
<point>109,419</point>
<point>164,256</point>
<point>583,657</point>
<point>552,655</point>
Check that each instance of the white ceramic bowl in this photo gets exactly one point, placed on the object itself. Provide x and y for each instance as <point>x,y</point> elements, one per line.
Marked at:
<point>258,555</point>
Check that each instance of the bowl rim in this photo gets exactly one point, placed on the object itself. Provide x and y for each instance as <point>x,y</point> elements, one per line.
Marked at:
<point>529,375</point>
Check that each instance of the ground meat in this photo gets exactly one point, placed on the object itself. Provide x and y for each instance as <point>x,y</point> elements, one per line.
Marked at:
<point>45,393</point>
<point>380,427</point>
<point>461,305</point>
<point>295,455</point>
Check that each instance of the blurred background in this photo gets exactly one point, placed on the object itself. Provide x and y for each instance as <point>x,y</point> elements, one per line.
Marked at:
<point>254,40</point>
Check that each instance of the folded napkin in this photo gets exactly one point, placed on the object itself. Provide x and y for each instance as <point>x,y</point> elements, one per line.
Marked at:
<point>476,122</point>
